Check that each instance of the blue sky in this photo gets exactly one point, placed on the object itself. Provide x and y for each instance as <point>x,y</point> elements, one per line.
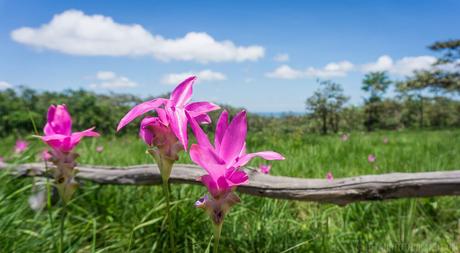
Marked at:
<point>263,55</point>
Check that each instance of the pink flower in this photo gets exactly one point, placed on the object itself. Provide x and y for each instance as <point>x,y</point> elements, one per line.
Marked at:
<point>157,133</point>
<point>21,146</point>
<point>171,120</point>
<point>385,140</point>
<point>58,130</point>
<point>2,160</point>
<point>45,155</point>
<point>329,176</point>
<point>371,158</point>
<point>265,168</point>
<point>223,160</point>
<point>99,149</point>
<point>344,137</point>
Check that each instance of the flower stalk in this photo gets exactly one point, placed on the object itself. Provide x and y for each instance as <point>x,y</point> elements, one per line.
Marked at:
<point>165,167</point>
<point>217,231</point>
<point>166,133</point>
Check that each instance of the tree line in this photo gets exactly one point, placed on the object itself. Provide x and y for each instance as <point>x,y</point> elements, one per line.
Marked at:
<point>427,99</point>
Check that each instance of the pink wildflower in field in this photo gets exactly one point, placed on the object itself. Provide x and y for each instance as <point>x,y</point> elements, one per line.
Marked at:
<point>2,160</point>
<point>344,137</point>
<point>264,168</point>
<point>329,176</point>
<point>61,139</point>
<point>21,146</point>
<point>171,116</point>
<point>58,130</point>
<point>99,149</point>
<point>371,158</point>
<point>166,134</point>
<point>385,140</point>
<point>222,162</point>
<point>45,155</point>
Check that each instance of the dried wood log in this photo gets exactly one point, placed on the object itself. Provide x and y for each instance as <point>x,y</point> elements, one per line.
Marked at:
<point>340,191</point>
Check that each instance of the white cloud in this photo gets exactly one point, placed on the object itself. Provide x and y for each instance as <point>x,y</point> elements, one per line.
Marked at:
<point>281,58</point>
<point>105,75</point>
<point>110,80</point>
<point>73,32</point>
<point>332,69</point>
<point>5,85</point>
<point>383,63</point>
<point>285,72</point>
<point>402,67</point>
<point>204,75</point>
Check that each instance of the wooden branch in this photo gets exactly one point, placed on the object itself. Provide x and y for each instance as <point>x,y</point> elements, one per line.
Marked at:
<point>340,191</point>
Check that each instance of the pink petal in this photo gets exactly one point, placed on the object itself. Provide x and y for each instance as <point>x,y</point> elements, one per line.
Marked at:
<point>144,133</point>
<point>267,155</point>
<point>208,160</point>
<point>203,119</point>
<point>46,155</point>
<point>197,108</point>
<point>234,138</point>
<point>200,136</point>
<point>77,136</point>
<point>178,122</point>
<point>329,176</point>
<point>48,130</point>
<point>221,127</point>
<point>223,184</point>
<point>162,115</point>
<point>236,177</point>
<point>58,121</point>
<point>265,168</point>
<point>182,93</point>
<point>211,184</point>
<point>55,141</point>
<point>140,109</point>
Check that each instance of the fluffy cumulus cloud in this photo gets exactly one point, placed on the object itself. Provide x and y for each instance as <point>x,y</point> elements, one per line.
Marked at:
<point>5,85</point>
<point>110,80</point>
<point>73,32</point>
<point>203,76</point>
<point>285,72</point>
<point>402,67</point>
<point>333,69</point>
<point>281,57</point>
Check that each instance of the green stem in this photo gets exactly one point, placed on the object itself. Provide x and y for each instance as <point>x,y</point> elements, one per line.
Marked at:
<point>217,232</point>
<point>165,166</point>
<point>168,215</point>
<point>61,229</point>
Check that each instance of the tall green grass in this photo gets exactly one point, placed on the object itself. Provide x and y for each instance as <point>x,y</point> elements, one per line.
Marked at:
<point>105,218</point>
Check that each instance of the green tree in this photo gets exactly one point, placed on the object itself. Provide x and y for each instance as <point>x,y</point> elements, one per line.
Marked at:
<point>325,105</point>
<point>444,77</point>
<point>376,84</point>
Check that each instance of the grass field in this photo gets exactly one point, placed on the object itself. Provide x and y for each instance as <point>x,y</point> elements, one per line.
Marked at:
<point>129,219</point>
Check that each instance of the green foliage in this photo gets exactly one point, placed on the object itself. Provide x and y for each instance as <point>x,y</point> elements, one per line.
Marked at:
<point>444,78</point>
<point>88,109</point>
<point>326,104</point>
<point>104,218</point>
<point>450,48</point>
<point>376,84</point>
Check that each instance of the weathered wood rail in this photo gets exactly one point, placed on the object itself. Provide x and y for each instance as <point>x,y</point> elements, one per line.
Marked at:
<point>340,191</point>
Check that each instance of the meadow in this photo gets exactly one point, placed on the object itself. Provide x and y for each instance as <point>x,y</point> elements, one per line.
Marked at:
<point>105,218</point>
